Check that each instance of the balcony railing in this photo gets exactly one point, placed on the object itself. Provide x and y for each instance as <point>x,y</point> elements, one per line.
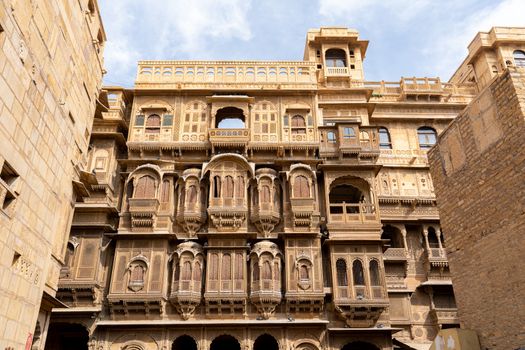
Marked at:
<point>229,72</point>
<point>336,71</point>
<point>229,136</point>
<point>393,91</point>
<point>353,213</point>
<point>143,205</point>
<point>399,254</point>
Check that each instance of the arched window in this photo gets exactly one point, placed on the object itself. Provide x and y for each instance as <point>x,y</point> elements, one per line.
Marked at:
<point>214,267</point>
<point>165,197</point>
<point>197,272</point>
<point>342,280</point>
<point>239,191</point>
<point>303,273</point>
<point>226,272</point>
<point>348,133</point>
<point>357,271</point>
<point>145,187</point>
<point>301,188</point>
<point>266,271</point>
<point>335,58</point>
<point>433,241</point>
<point>330,137</point>
<point>228,187</point>
<point>153,124</point>
<point>137,274</point>
<point>519,58</point>
<point>375,280</point>
<point>265,194</point>
<point>298,125</point>
<point>384,139</point>
<point>186,271</point>
<point>239,266</point>
<point>192,194</point>
<point>426,137</point>
<point>216,186</point>
<point>256,271</point>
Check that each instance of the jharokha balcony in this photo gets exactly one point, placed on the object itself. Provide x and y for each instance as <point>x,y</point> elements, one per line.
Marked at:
<point>143,211</point>
<point>346,213</point>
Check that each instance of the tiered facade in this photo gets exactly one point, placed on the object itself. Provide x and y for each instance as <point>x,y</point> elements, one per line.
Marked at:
<point>262,205</point>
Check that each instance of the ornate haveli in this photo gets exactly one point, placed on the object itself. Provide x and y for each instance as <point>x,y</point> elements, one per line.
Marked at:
<point>262,205</point>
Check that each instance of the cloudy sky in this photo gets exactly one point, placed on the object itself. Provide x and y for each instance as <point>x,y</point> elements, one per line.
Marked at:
<point>407,37</point>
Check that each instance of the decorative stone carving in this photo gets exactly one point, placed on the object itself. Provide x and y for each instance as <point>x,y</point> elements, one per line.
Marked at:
<point>186,288</point>
<point>265,263</point>
<point>191,212</point>
<point>265,212</point>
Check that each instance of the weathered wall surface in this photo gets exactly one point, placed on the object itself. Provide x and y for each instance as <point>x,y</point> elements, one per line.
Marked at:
<point>478,168</point>
<point>51,71</point>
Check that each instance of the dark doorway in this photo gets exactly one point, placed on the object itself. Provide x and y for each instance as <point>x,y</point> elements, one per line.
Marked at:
<point>225,342</point>
<point>184,342</point>
<point>265,342</point>
<point>67,336</point>
<point>359,345</point>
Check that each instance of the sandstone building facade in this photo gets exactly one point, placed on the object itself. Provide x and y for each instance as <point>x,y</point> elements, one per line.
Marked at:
<point>50,77</point>
<point>478,172</point>
<point>261,205</point>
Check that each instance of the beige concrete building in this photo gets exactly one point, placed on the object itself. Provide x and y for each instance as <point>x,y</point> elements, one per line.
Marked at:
<point>262,205</point>
<point>50,76</point>
<point>478,169</point>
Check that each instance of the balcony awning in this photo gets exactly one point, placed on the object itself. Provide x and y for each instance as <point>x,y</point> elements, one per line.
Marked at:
<point>437,283</point>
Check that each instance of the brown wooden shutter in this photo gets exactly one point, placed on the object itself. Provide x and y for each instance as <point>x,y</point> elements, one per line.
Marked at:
<point>88,260</point>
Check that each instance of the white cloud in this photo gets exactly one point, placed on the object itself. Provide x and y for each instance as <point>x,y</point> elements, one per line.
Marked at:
<point>368,10</point>
<point>153,29</point>
<point>447,50</point>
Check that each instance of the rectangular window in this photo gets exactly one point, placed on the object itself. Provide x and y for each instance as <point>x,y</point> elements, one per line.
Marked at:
<point>331,137</point>
<point>167,120</point>
<point>100,163</point>
<point>348,133</point>
<point>139,120</point>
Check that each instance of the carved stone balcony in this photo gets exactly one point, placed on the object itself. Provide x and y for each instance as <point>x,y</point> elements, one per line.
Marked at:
<point>437,257</point>
<point>265,216</point>
<point>303,210</point>
<point>229,138</point>
<point>78,293</point>
<point>228,214</point>
<point>337,72</point>
<point>191,219</point>
<point>185,301</point>
<point>352,213</point>
<point>395,254</point>
<point>266,295</point>
<point>363,310</point>
<point>444,315</point>
<point>364,144</point>
<point>143,211</point>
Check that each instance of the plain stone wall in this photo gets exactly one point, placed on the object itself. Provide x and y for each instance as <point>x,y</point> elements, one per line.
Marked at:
<point>50,75</point>
<point>478,168</point>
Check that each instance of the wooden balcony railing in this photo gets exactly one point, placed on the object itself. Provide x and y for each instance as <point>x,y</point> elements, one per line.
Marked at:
<point>352,213</point>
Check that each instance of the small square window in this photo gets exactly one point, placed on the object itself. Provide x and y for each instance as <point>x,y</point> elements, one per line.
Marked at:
<point>167,120</point>
<point>139,120</point>
<point>8,196</point>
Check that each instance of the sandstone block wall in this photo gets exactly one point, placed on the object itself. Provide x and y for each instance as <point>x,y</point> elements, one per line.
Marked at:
<point>50,75</point>
<point>478,169</point>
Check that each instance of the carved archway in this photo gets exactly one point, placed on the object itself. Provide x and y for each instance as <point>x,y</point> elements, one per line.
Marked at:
<point>265,342</point>
<point>184,342</point>
<point>225,342</point>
